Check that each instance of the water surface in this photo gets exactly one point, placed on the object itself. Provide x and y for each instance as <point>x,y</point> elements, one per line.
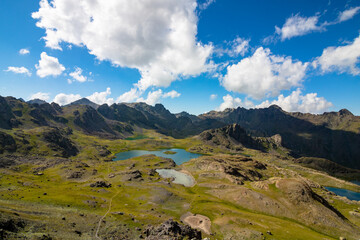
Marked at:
<point>345,193</point>
<point>179,177</point>
<point>179,157</point>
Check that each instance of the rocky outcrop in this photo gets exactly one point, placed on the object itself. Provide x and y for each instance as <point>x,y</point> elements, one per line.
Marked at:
<point>101,184</point>
<point>231,137</point>
<point>236,169</point>
<point>58,141</point>
<point>172,230</point>
<point>7,118</point>
<point>7,143</point>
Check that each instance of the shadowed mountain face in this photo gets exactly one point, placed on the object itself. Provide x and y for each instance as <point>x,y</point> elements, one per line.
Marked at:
<point>334,136</point>
<point>302,136</point>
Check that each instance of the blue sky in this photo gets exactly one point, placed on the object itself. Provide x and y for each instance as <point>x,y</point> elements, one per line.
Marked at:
<point>189,55</point>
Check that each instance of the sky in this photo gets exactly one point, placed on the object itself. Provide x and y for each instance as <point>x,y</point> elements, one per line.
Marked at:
<point>193,56</point>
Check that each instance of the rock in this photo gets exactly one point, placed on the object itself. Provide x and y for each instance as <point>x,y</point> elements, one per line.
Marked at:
<point>101,184</point>
<point>76,175</point>
<point>59,142</point>
<point>133,175</point>
<point>7,143</point>
<point>11,225</point>
<point>172,230</point>
<point>152,172</point>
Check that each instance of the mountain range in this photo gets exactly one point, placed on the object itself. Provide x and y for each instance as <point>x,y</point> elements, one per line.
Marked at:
<point>332,135</point>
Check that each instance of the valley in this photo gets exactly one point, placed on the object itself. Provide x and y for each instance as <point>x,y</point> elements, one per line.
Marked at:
<point>59,180</point>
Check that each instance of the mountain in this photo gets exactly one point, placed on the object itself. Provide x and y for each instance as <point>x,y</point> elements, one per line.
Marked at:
<point>333,136</point>
<point>258,173</point>
<point>85,101</point>
<point>36,101</point>
<point>193,118</point>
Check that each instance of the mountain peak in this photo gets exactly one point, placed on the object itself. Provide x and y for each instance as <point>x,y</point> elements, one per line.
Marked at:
<point>345,112</point>
<point>85,101</point>
<point>36,101</point>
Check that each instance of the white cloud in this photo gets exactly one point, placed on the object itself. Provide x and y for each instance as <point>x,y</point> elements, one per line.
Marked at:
<point>237,47</point>
<point>77,76</point>
<point>213,96</point>
<point>156,37</point>
<point>64,99</point>
<point>342,58</point>
<point>171,94</point>
<point>206,4</point>
<point>348,14</point>
<point>40,95</point>
<point>154,97</point>
<point>231,102</point>
<point>297,102</point>
<point>240,47</point>
<point>48,66</point>
<point>101,97</point>
<point>129,96</point>
<point>298,26</point>
<point>19,70</point>
<point>24,51</point>
<point>264,74</point>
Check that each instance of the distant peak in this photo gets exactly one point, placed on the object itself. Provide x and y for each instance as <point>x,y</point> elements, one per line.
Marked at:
<point>85,101</point>
<point>345,112</point>
<point>274,106</point>
<point>36,101</point>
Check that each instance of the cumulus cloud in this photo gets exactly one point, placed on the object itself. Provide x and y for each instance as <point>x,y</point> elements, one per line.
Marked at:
<point>348,14</point>
<point>263,74</point>
<point>172,94</point>
<point>156,37</point>
<point>129,96</point>
<point>48,66</point>
<point>213,96</point>
<point>40,95</point>
<point>101,97</point>
<point>24,51</point>
<point>154,97</point>
<point>342,58</point>
<point>231,102</point>
<point>297,102</point>
<point>18,70</point>
<point>64,99</point>
<point>298,26</point>
<point>77,76</point>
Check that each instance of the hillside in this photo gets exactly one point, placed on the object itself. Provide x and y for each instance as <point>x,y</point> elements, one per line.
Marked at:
<point>58,180</point>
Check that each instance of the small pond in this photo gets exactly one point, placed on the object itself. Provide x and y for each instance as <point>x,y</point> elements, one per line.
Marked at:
<point>345,193</point>
<point>178,155</point>
<point>179,177</point>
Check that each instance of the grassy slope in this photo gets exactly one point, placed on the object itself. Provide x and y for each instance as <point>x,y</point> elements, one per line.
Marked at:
<point>150,201</point>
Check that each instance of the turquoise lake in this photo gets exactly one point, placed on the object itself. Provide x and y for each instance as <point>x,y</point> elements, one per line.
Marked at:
<point>345,193</point>
<point>179,157</point>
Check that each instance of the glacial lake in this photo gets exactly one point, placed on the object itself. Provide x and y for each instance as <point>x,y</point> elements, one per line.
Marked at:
<point>345,193</point>
<point>179,177</point>
<point>179,155</point>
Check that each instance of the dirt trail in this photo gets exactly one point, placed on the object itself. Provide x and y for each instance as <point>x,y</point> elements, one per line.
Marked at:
<point>107,212</point>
